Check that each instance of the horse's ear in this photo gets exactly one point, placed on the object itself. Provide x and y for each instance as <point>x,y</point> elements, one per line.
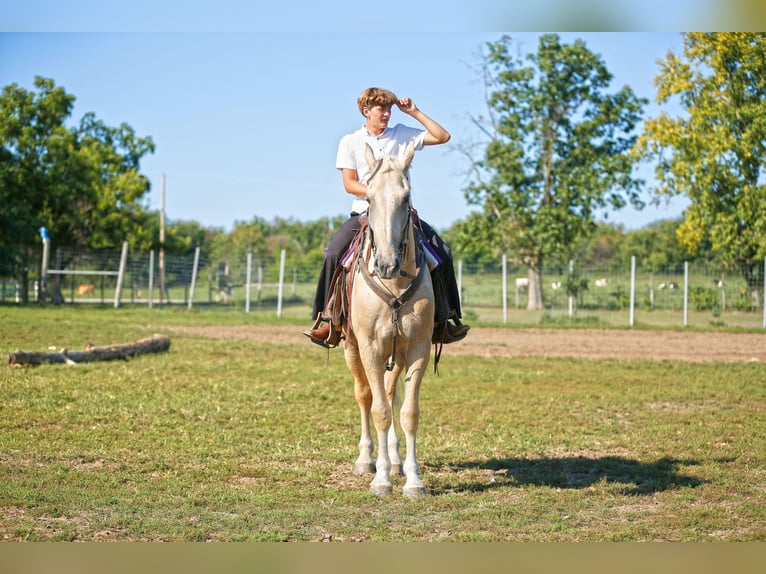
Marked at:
<point>409,154</point>
<point>369,157</point>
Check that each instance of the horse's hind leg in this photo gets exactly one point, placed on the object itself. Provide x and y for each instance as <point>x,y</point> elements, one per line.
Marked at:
<point>393,451</point>
<point>364,464</point>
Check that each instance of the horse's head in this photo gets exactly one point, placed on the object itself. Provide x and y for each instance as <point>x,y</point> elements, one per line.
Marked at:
<point>388,191</point>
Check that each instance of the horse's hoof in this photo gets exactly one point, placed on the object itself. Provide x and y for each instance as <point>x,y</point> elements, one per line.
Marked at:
<point>414,491</point>
<point>364,468</point>
<point>382,489</point>
<point>396,470</point>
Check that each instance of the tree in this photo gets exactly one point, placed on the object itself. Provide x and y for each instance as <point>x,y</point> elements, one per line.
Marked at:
<point>558,152</point>
<point>714,154</point>
<point>82,183</point>
<point>656,247</point>
<point>29,124</point>
<point>109,209</point>
<point>599,248</point>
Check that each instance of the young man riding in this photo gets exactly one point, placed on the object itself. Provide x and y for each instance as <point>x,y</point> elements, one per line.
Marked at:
<point>375,105</point>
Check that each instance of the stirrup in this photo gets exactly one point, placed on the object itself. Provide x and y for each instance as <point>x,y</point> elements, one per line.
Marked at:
<point>310,333</point>
<point>334,337</point>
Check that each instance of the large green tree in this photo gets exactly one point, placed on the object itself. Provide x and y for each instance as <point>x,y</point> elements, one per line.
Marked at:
<point>714,153</point>
<point>655,246</point>
<point>557,156</point>
<point>82,183</point>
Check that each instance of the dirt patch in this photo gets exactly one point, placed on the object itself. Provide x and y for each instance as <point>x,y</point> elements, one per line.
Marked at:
<point>514,342</point>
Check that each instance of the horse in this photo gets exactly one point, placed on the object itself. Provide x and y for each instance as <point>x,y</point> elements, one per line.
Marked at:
<point>391,322</point>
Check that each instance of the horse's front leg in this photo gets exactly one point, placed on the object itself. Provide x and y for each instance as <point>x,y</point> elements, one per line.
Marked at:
<point>410,418</point>
<point>394,398</point>
<point>382,416</point>
<point>364,464</point>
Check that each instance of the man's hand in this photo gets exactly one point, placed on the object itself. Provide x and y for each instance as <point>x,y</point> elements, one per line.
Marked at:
<point>407,106</point>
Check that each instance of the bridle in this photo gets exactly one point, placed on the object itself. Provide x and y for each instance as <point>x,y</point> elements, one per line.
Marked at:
<point>395,302</point>
<point>402,249</point>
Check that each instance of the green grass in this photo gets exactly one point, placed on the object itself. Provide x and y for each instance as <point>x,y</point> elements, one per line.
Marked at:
<point>236,440</point>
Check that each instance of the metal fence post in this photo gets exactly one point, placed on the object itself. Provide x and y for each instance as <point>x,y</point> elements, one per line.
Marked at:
<point>248,276</point>
<point>281,283</point>
<point>686,293</point>
<point>505,289</point>
<point>151,277</point>
<point>43,292</point>
<point>194,276</point>
<point>632,288</point>
<point>121,274</point>
<point>571,296</point>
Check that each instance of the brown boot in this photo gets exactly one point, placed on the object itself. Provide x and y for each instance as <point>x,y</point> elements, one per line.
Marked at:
<point>458,331</point>
<point>447,333</point>
<point>319,335</point>
<point>320,332</point>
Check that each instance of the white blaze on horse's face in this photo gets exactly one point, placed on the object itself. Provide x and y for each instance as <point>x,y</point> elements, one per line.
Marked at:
<point>388,192</point>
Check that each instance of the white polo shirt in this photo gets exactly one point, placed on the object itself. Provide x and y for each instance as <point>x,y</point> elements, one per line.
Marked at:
<point>392,142</point>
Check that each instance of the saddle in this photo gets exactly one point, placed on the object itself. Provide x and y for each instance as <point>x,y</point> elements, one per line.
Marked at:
<point>338,309</point>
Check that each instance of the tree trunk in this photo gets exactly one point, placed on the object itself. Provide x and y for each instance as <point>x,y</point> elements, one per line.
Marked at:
<point>535,296</point>
<point>153,344</point>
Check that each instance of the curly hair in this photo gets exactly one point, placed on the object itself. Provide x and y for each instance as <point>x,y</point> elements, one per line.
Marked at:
<point>372,97</point>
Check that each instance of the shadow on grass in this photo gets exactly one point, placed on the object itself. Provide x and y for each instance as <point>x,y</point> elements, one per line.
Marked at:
<point>637,478</point>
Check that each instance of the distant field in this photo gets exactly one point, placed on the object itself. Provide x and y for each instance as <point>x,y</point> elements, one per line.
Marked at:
<point>240,432</point>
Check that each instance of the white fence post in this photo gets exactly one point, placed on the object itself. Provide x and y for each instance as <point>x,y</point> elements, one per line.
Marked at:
<point>632,289</point>
<point>571,296</point>
<point>281,283</point>
<point>194,276</point>
<point>686,293</point>
<point>505,289</point>
<point>151,277</point>
<point>121,274</point>
<point>44,269</point>
<point>248,275</point>
<point>260,283</point>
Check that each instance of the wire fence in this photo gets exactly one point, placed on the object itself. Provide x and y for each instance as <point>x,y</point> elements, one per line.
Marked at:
<point>690,295</point>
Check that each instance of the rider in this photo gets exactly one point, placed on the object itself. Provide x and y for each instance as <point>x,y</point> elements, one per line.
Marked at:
<point>375,105</point>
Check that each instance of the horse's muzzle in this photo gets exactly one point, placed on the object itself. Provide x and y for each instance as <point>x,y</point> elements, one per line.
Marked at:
<point>387,270</point>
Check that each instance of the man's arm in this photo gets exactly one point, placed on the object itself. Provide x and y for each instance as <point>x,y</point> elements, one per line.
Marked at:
<point>435,133</point>
<point>352,184</point>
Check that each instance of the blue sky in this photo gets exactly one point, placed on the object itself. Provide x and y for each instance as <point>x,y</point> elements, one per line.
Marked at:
<point>247,124</point>
<point>246,101</point>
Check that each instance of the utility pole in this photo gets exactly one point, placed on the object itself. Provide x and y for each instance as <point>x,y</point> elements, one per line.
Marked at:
<point>162,240</point>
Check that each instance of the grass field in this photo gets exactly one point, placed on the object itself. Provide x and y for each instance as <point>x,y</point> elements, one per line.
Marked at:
<point>239,440</point>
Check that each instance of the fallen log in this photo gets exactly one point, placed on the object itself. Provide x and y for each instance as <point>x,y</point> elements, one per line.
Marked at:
<point>153,344</point>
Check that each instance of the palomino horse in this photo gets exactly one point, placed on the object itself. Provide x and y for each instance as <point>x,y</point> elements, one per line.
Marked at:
<point>392,319</point>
